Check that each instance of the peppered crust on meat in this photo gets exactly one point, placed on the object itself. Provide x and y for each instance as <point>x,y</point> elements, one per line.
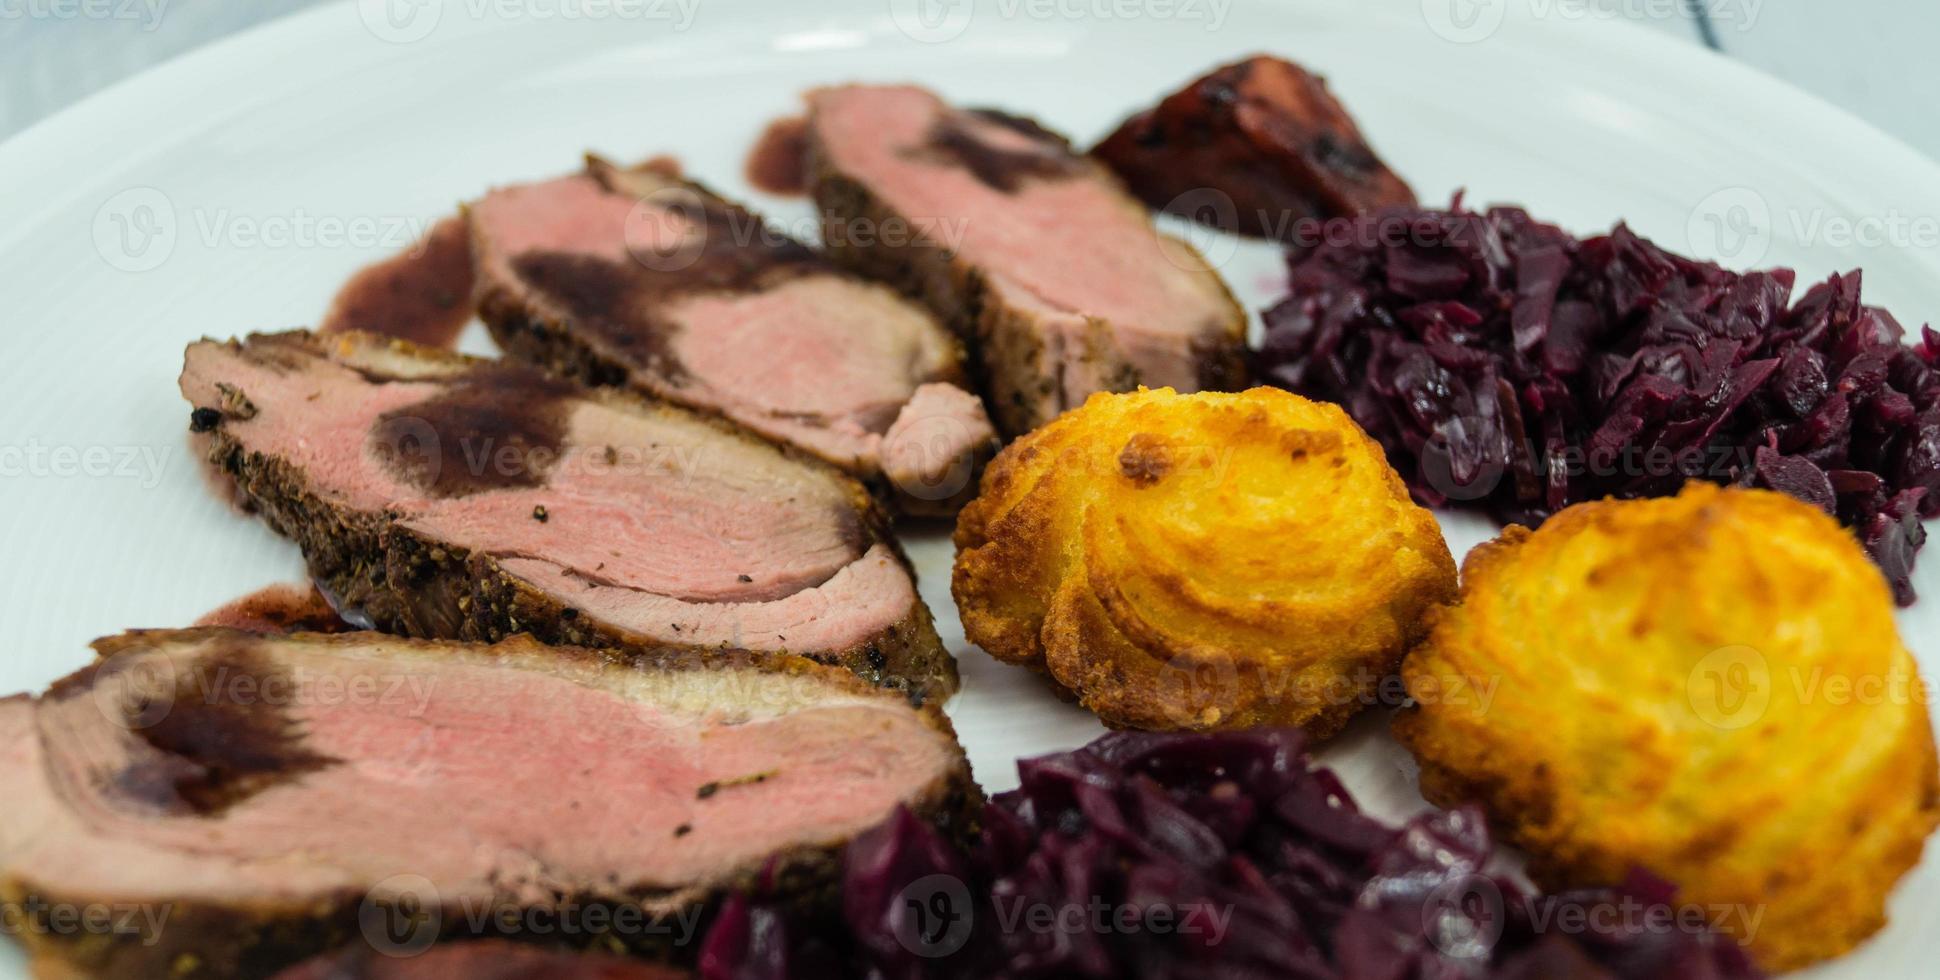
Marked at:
<point>1037,349</point>
<point>215,922</point>
<point>487,568</point>
<point>728,316</point>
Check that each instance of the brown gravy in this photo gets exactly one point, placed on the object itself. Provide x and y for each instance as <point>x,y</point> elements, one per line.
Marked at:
<point>225,738</point>
<point>954,140</point>
<point>778,162</point>
<point>500,427</point>
<point>423,295</point>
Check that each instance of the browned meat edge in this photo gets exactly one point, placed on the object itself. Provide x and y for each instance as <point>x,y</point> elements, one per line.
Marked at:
<point>1266,133</point>
<point>204,940</point>
<point>1003,343</point>
<point>411,585</point>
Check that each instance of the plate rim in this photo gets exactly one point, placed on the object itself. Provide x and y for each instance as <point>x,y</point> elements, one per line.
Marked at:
<point>155,101</point>
<point>112,106</point>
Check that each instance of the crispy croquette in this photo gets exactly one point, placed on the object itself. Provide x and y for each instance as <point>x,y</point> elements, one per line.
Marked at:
<point>1709,687</point>
<point>1201,561</point>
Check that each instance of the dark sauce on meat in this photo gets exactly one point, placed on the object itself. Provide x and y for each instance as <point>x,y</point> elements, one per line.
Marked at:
<point>1021,125</point>
<point>500,427</point>
<point>607,299</point>
<point>778,164</point>
<point>422,295</point>
<point>729,250</point>
<point>225,737</point>
<point>954,139</point>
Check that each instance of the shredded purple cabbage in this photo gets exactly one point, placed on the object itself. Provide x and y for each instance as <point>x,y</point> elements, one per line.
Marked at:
<point>1192,857</point>
<point>1507,366</point>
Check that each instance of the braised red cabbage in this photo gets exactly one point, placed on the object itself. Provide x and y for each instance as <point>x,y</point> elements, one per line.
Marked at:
<point>1192,857</point>
<point>1510,367</point>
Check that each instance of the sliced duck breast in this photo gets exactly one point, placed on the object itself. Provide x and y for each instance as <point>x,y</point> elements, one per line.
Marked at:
<point>447,497</point>
<point>1054,275</point>
<point>637,277</point>
<point>266,798</point>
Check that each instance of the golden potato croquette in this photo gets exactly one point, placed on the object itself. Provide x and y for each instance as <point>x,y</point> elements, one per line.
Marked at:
<point>1201,561</point>
<point>1708,686</point>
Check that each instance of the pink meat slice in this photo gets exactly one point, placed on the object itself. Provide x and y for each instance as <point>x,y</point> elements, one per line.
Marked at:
<point>223,768</point>
<point>570,214</point>
<point>662,524</point>
<point>700,302</point>
<point>1068,243</point>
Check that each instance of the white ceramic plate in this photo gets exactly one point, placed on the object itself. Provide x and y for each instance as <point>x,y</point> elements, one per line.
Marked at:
<point>235,189</point>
